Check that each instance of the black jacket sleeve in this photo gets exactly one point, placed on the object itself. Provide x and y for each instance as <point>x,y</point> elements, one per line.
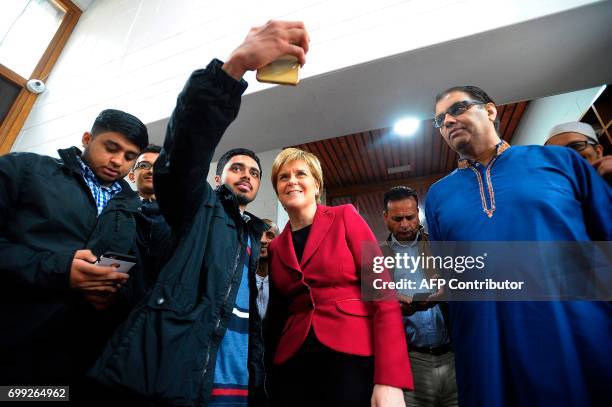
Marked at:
<point>19,262</point>
<point>207,105</point>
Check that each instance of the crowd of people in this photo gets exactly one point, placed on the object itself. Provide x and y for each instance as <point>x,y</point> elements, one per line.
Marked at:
<point>224,309</point>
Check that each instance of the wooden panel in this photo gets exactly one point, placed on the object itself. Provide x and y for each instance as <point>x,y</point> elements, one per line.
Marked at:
<point>376,142</point>
<point>395,149</point>
<point>368,157</point>
<point>387,159</point>
<point>505,119</point>
<point>413,146</point>
<point>515,120</point>
<point>357,150</point>
<point>328,166</point>
<point>356,190</point>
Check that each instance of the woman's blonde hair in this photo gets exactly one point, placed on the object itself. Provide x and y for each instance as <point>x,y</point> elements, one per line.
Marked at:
<point>294,154</point>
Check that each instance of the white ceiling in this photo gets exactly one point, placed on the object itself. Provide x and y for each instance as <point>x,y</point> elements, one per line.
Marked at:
<point>558,53</point>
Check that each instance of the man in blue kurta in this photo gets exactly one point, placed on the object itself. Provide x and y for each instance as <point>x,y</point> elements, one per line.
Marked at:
<point>521,353</point>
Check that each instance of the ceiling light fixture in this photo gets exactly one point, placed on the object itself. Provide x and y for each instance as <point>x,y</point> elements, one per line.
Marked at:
<point>397,170</point>
<point>406,127</point>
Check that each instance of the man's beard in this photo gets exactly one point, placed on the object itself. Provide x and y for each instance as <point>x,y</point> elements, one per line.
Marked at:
<point>242,199</point>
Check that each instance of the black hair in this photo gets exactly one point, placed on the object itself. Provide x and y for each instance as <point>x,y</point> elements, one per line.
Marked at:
<point>233,152</point>
<point>121,122</point>
<point>151,148</point>
<point>399,193</point>
<point>475,93</point>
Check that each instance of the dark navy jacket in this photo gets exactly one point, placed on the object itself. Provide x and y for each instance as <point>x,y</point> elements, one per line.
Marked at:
<point>154,239</point>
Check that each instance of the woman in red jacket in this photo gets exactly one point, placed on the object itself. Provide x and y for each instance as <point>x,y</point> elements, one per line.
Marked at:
<point>334,349</point>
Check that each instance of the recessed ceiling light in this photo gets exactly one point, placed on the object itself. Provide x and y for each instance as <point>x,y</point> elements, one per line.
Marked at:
<point>406,127</point>
<point>397,170</point>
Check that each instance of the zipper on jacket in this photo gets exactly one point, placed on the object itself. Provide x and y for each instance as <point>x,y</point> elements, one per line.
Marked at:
<point>263,356</point>
<point>227,293</point>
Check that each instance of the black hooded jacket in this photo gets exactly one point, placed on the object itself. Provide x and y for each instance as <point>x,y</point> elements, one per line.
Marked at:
<point>166,350</point>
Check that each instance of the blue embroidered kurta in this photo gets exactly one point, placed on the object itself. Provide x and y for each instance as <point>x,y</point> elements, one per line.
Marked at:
<point>527,353</point>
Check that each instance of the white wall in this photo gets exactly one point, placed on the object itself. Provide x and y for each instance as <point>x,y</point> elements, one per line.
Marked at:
<point>136,54</point>
<point>542,114</point>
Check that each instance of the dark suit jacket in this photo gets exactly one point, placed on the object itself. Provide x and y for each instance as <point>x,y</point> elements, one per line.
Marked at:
<point>323,293</point>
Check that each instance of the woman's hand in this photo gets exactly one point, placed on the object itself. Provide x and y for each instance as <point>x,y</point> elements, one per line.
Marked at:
<point>387,396</point>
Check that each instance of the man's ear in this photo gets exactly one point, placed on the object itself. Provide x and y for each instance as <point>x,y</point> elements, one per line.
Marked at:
<point>491,111</point>
<point>217,180</point>
<point>86,139</point>
<point>131,176</point>
<point>599,150</point>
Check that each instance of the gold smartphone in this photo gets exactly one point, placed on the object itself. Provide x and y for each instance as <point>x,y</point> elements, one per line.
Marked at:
<point>283,71</point>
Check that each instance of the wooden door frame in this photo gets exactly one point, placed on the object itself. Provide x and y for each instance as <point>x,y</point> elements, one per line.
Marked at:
<point>21,108</point>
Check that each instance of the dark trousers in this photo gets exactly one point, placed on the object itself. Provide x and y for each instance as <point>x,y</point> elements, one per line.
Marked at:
<point>434,380</point>
<point>319,376</point>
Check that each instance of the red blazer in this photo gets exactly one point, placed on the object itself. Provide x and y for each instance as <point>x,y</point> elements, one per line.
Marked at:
<point>323,291</point>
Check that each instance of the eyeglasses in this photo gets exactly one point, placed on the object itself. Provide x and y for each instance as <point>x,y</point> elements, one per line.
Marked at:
<point>580,145</point>
<point>455,110</point>
<point>143,165</point>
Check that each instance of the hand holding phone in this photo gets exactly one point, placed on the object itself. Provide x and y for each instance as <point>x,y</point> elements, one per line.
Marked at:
<point>268,43</point>
<point>283,71</point>
<point>124,261</point>
<point>87,275</point>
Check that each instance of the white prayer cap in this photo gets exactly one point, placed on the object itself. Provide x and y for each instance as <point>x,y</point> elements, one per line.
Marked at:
<point>573,127</point>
